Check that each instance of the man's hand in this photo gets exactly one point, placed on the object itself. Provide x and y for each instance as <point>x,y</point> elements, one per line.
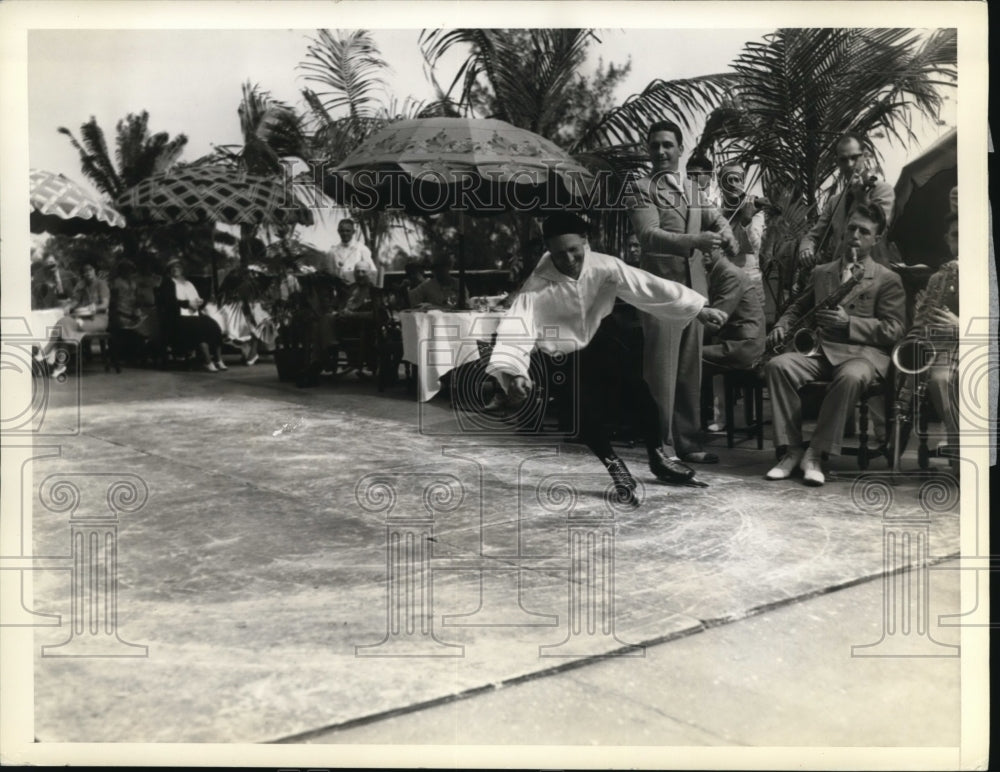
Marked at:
<point>807,257</point>
<point>943,316</point>
<point>835,320</point>
<point>776,337</point>
<point>712,317</point>
<point>520,388</point>
<point>706,241</point>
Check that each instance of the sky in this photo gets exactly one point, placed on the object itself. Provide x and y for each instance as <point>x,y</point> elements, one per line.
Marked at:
<point>190,81</point>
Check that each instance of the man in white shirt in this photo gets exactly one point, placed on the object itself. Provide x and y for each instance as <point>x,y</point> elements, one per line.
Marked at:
<point>558,311</point>
<point>348,253</point>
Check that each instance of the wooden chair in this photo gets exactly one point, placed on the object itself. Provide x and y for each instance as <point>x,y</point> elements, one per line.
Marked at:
<point>865,453</point>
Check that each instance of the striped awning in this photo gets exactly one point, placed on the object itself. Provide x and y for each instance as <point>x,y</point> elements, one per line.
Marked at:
<point>55,198</point>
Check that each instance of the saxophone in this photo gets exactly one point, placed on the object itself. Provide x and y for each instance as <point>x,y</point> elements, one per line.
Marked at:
<point>914,355</point>
<point>801,332</point>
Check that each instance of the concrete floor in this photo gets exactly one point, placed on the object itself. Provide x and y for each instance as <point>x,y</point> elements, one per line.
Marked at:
<point>256,575</point>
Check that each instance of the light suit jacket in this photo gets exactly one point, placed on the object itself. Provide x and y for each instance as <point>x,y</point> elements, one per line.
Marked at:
<point>667,228</point>
<point>877,309</point>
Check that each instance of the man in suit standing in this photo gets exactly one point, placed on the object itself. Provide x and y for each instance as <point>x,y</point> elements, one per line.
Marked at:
<point>673,230</point>
<point>855,342</point>
<point>858,186</point>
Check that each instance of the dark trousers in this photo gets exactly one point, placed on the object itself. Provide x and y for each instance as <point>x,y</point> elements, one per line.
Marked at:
<point>588,380</point>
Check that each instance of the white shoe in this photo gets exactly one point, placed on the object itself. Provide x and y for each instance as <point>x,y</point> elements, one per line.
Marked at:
<point>811,471</point>
<point>787,466</point>
<point>211,368</point>
<point>253,360</point>
<point>220,365</point>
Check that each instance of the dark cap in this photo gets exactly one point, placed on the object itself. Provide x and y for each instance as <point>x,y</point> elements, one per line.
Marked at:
<point>561,223</point>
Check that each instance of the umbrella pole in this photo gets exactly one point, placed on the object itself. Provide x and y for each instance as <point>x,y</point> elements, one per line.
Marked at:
<point>461,261</point>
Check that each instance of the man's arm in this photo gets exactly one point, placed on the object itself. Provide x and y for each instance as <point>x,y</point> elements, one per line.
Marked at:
<point>726,286</point>
<point>799,306</point>
<point>883,196</point>
<point>645,218</point>
<point>886,327</point>
<point>713,220</point>
<point>515,340</point>
<point>810,242</point>
<point>660,297</point>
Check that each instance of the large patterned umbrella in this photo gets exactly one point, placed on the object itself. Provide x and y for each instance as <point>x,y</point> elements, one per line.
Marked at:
<point>216,193</point>
<point>480,166</point>
<point>59,205</point>
<point>468,165</point>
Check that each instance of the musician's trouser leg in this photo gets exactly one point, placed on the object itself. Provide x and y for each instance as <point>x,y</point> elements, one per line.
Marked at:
<point>786,374</point>
<point>849,379</point>
<point>942,391</point>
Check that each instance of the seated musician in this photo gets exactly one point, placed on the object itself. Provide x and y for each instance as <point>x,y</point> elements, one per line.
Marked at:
<point>936,316</point>
<point>740,341</point>
<point>855,339</point>
<point>441,289</point>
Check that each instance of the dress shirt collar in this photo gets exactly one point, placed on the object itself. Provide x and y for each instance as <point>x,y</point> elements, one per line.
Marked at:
<point>547,269</point>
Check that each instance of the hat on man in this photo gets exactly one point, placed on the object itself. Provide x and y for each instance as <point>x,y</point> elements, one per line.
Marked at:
<point>561,223</point>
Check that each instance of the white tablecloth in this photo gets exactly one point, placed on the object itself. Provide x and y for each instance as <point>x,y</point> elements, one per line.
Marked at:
<point>439,341</point>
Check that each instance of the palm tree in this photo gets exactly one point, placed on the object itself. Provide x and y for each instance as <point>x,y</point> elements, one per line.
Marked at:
<point>138,154</point>
<point>272,133</point>
<point>791,96</point>
<point>351,105</point>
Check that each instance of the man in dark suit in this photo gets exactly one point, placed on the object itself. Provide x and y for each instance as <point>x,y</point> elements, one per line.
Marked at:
<point>673,230</point>
<point>740,341</point>
<point>855,342</point>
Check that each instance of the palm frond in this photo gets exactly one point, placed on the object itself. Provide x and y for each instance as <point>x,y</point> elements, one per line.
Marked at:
<point>349,65</point>
<point>677,100</point>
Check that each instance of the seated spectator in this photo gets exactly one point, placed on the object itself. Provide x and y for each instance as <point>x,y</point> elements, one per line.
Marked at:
<point>441,289</point>
<point>86,312</point>
<point>51,286</point>
<point>356,320</point>
<point>128,320</point>
<point>246,323</point>
<point>189,328</point>
<point>414,270</point>
<point>739,343</point>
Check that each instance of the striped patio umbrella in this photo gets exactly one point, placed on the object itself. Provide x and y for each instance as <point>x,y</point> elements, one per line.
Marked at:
<point>214,193</point>
<point>59,205</point>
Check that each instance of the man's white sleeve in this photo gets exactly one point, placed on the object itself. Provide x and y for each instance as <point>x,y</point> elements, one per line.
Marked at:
<point>660,297</point>
<point>515,341</point>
